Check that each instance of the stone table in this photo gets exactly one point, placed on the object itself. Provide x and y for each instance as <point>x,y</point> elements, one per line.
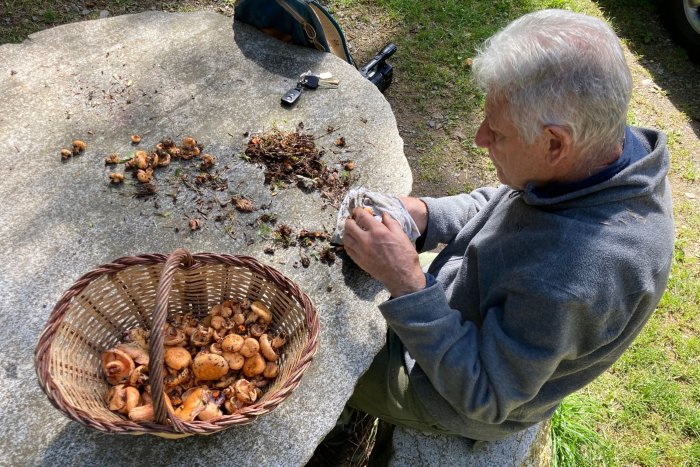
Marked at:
<point>174,75</point>
<point>529,448</point>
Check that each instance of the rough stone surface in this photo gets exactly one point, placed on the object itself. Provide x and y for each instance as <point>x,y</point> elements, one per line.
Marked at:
<point>171,75</point>
<point>530,448</point>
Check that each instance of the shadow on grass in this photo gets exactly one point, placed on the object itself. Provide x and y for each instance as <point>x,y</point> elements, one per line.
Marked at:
<point>640,25</point>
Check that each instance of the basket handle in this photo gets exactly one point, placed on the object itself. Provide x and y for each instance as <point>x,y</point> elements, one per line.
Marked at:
<point>177,258</point>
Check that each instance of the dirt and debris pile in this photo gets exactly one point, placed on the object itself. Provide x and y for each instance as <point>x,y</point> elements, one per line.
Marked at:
<point>292,158</point>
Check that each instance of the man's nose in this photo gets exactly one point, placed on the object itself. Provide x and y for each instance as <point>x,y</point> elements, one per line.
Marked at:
<point>482,136</point>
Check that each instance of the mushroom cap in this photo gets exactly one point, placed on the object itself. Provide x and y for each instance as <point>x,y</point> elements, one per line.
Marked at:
<point>117,366</point>
<point>218,321</point>
<point>245,391</point>
<point>132,399</point>
<point>210,412</point>
<point>138,336</point>
<point>266,348</point>
<point>164,160</point>
<point>188,142</point>
<point>278,341</point>
<point>146,395</point>
<point>232,343</point>
<point>79,145</point>
<point>215,347</point>
<point>257,329</point>
<point>226,311</point>
<point>141,159</point>
<point>139,376</point>
<point>238,318</point>
<point>116,397</point>
<point>181,377</point>
<point>226,381</point>
<point>234,359</point>
<point>201,336</point>
<point>193,403</point>
<point>209,366</point>
<point>177,358</point>
<point>144,176</point>
<point>271,370</point>
<point>254,365</point>
<point>174,336</point>
<point>137,353</point>
<point>232,405</point>
<point>262,311</point>
<point>250,347</point>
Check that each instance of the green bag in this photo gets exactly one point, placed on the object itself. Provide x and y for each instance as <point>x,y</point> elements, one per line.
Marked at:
<point>301,22</point>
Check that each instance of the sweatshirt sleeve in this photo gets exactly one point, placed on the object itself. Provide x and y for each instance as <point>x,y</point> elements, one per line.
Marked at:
<point>447,215</point>
<point>484,373</point>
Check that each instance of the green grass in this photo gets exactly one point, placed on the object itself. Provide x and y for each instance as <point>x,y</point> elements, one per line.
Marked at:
<point>575,442</point>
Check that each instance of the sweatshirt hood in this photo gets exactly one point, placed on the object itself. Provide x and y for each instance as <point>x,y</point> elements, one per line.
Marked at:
<point>639,178</point>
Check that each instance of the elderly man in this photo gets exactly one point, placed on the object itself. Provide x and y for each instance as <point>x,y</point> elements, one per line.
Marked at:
<point>545,280</point>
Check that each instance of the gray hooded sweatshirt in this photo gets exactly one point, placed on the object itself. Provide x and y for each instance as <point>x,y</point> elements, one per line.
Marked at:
<point>536,295</point>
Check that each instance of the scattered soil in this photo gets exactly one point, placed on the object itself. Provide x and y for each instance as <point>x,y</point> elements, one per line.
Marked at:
<point>288,157</point>
<point>292,158</point>
<point>143,175</point>
<point>311,244</point>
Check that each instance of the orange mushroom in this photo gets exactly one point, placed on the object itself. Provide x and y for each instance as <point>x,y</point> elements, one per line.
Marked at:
<point>194,402</point>
<point>262,311</point>
<point>209,366</point>
<point>254,365</point>
<point>117,366</point>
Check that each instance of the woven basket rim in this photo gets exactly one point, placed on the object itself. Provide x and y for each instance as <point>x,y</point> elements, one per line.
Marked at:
<point>199,260</point>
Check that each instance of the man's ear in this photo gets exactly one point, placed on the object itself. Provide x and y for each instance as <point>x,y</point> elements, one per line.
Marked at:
<point>559,144</point>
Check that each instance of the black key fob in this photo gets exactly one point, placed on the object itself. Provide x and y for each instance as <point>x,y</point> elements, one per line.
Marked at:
<point>292,95</point>
<point>311,81</point>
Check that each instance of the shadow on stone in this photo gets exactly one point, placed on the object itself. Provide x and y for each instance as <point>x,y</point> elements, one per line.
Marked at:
<point>281,61</point>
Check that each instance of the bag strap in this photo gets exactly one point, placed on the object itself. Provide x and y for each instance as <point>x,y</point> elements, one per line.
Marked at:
<point>306,26</point>
<point>331,30</point>
<point>336,42</point>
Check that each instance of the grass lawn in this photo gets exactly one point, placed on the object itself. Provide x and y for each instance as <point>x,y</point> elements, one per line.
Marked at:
<point>645,410</point>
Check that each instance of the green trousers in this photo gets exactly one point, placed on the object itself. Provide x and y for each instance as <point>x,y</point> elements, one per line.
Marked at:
<point>385,392</point>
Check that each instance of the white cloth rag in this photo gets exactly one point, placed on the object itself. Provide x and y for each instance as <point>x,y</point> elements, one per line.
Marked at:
<point>379,203</point>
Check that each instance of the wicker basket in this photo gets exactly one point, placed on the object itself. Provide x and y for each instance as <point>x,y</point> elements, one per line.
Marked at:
<point>144,290</point>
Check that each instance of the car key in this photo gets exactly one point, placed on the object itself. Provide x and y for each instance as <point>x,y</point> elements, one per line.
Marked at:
<point>330,83</point>
<point>313,81</point>
<point>293,94</point>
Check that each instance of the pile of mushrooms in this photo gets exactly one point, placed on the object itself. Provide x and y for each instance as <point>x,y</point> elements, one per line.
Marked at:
<point>144,163</point>
<point>215,365</point>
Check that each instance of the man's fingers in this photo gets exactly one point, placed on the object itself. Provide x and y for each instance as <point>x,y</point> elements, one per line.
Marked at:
<point>368,222</point>
<point>363,219</point>
<point>391,223</point>
<point>352,227</point>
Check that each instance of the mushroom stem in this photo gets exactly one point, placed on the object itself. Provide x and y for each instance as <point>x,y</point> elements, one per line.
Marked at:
<point>142,413</point>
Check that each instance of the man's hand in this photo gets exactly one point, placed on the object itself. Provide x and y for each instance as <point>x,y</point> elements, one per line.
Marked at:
<point>384,251</point>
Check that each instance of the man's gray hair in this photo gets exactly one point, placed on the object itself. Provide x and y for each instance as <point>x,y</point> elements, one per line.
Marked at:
<point>556,67</point>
